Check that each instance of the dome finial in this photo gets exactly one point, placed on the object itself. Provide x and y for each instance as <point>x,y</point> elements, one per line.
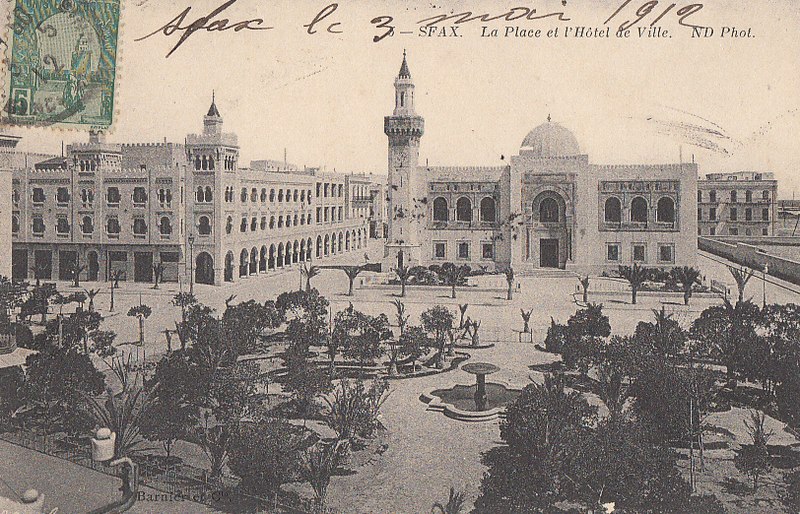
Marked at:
<point>213,111</point>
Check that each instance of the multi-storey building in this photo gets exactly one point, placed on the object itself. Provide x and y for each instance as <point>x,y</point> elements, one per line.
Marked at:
<point>377,208</point>
<point>550,208</point>
<point>737,204</point>
<point>7,158</point>
<point>106,207</point>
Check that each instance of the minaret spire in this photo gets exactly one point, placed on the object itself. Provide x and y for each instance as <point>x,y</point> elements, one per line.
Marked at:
<point>404,72</point>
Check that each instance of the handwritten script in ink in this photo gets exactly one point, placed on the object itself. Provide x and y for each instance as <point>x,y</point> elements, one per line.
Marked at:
<point>620,19</point>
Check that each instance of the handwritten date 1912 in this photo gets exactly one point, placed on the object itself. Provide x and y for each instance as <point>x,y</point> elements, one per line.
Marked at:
<point>209,23</point>
<point>652,7</point>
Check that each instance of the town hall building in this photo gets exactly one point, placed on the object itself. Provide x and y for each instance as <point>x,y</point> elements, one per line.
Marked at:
<point>549,208</point>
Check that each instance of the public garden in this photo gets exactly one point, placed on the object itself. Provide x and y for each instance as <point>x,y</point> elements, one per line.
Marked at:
<point>327,389</point>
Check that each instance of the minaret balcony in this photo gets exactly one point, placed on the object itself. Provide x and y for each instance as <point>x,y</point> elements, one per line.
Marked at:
<point>404,125</point>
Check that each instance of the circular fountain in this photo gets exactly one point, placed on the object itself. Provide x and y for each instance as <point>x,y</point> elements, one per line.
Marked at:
<point>479,402</point>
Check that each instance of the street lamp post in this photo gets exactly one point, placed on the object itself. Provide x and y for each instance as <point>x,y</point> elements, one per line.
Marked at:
<point>191,264</point>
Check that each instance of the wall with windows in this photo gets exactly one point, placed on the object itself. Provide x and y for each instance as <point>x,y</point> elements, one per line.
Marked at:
<point>737,204</point>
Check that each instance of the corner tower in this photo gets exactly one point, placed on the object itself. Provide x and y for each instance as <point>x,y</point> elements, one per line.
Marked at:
<point>406,189</point>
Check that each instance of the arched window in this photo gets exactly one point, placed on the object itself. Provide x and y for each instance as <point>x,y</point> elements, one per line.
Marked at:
<point>712,196</point>
<point>165,227</point>
<point>463,209</point>
<point>263,195</point>
<point>699,196</point>
<point>197,162</point>
<point>14,224</point>
<point>272,222</point>
<point>243,195</point>
<point>203,226</point>
<point>280,195</point>
<point>665,211</point>
<point>271,195</point>
<point>733,196</point>
<point>229,225</point>
<point>263,225</point>
<point>639,210</point>
<point>211,163</point>
<point>613,210</point>
<point>243,263</point>
<point>200,195</point>
<point>112,226</point>
<point>548,211</point>
<point>748,196</point>
<point>253,224</point>
<point>139,226</point>
<point>765,195</point>
<point>253,195</point>
<point>87,225</point>
<point>205,162</point>
<point>209,196</point>
<point>488,213</point>
<point>243,225</point>
<point>440,212</point>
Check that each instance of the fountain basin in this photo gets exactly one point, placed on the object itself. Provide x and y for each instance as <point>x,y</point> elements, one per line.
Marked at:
<point>458,401</point>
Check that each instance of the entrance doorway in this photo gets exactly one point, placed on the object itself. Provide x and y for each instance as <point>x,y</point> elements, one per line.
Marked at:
<point>204,269</point>
<point>548,253</point>
<point>142,267</point>
<point>19,259</point>
<point>94,267</point>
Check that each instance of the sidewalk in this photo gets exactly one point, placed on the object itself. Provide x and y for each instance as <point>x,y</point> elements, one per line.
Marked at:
<point>72,488</point>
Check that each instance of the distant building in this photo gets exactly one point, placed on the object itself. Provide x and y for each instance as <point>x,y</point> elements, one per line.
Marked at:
<point>7,161</point>
<point>737,204</point>
<point>548,208</point>
<point>106,207</point>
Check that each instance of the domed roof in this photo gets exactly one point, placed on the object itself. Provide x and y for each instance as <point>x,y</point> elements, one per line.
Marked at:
<point>551,140</point>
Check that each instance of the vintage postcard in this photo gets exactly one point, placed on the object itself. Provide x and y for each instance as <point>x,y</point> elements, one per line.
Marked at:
<point>378,256</point>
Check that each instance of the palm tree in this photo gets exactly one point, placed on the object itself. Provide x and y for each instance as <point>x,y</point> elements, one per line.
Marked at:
<point>454,505</point>
<point>585,286</point>
<point>116,275</point>
<point>403,274</point>
<point>742,277</point>
<point>453,275</point>
<point>352,272</point>
<point>687,276</point>
<point>636,276</point>
<point>309,272</point>
<point>509,272</point>
<point>141,312</point>
<point>90,294</point>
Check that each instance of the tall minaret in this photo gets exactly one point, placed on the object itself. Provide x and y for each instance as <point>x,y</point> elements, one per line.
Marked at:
<point>407,184</point>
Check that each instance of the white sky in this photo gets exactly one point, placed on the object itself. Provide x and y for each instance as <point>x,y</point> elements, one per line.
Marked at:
<point>323,97</point>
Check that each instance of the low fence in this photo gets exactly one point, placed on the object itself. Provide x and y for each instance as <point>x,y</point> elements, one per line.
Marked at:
<point>178,480</point>
<point>752,257</point>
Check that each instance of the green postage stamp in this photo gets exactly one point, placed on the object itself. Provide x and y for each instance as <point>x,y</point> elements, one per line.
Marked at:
<point>62,66</point>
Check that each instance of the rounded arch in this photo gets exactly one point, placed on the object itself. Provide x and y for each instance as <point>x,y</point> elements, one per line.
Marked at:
<point>613,210</point>
<point>308,249</point>
<point>341,242</point>
<point>271,262</point>
<point>549,210</point>
<point>347,241</point>
<point>93,271</point>
<point>440,209</point>
<point>229,266</point>
<point>327,245</point>
<point>287,259</point>
<point>639,210</point>
<point>319,247</point>
<point>665,210</point>
<point>463,211</point>
<point>243,263</point>
<point>488,210</point>
<point>253,260</point>
<point>333,244</point>
<point>359,238</point>
<point>262,260</point>
<point>204,269</point>
<point>302,250</point>
<point>203,226</point>
<point>279,262</point>
<point>295,251</point>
